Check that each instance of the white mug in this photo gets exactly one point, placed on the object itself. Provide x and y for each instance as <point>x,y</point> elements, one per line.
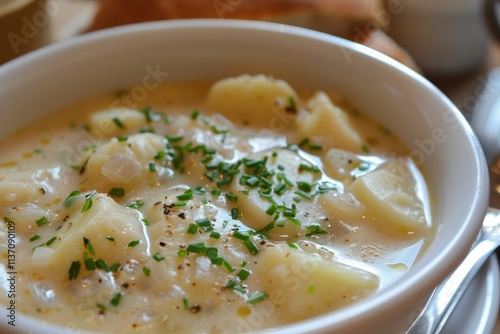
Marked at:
<point>445,37</point>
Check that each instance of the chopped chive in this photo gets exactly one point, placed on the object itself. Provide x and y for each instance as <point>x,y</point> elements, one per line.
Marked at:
<point>315,147</point>
<point>289,213</point>
<point>182,253</point>
<point>88,245</point>
<point>292,245</point>
<point>314,229</point>
<point>241,235</point>
<point>199,190</point>
<point>159,155</point>
<point>67,202</point>
<point>243,274</point>
<point>252,181</point>
<point>146,271</point>
<point>158,257</point>
<point>88,203</point>
<point>185,303</point>
<point>303,142</point>
<point>152,167</point>
<point>218,261</point>
<point>228,266</point>
<point>114,267</point>
<point>365,148</point>
<point>211,252</point>
<point>122,138</point>
<point>135,204</point>
<point>292,104</point>
<point>74,269</point>
<point>198,247</point>
<point>268,227</point>
<point>179,203</point>
<point>271,210</point>
<point>101,264</point>
<point>192,229</point>
<point>304,194</point>
<point>195,114</point>
<point>235,213</point>
<point>148,113</point>
<point>215,235</point>
<point>42,221</point>
<point>186,196</point>
<point>50,241</point>
<point>145,221</point>
<point>116,299</point>
<point>35,237</point>
<point>304,186</point>
<point>173,138</point>
<point>205,224</point>
<point>116,192</point>
<point>251,247</point>
<point>280,188</point>
<point>232,197</point>
<point>134,243</point>
<point>310,289</point>
<point>89,263</point>
<point>118,123</point>
<point>110,238</point>
<point>257,297</point>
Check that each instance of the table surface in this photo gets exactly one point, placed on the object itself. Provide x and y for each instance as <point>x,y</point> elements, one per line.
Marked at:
<point>73,16</point>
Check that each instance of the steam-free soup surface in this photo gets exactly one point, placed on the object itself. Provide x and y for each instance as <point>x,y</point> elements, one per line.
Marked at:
<point>218,208</point>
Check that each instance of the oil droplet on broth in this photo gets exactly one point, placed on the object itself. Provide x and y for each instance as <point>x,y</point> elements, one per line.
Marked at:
<point>244,311</point>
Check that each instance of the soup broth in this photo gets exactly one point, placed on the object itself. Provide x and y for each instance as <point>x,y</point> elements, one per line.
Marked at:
<point>207,207</point>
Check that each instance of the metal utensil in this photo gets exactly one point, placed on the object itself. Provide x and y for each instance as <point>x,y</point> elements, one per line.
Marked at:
<point>447,295</point>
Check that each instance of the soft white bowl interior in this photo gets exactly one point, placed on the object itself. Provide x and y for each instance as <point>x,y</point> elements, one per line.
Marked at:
<point>208,50</point>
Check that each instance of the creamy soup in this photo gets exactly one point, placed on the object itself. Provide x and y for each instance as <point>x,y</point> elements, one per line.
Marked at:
<point>206,208</point>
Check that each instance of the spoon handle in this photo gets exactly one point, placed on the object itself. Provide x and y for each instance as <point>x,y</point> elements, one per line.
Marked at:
<point>446,296</point>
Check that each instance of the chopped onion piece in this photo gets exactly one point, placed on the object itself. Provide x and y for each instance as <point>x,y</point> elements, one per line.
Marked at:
<point>44,293</point>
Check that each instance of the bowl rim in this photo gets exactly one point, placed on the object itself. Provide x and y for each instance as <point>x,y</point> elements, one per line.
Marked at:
<point>406,287</point>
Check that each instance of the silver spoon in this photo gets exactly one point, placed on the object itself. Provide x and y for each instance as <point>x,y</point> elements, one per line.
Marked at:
<point>486,122</point>
<point>447,295</point>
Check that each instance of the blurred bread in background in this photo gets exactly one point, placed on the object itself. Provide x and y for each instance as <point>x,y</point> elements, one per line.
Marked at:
<point>344,18</point>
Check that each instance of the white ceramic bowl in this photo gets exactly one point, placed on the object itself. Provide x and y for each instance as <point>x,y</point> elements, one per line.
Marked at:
<point>406,103</point>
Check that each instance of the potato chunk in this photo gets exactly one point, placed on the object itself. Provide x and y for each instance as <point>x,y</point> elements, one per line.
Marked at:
<point>390,194</point>
<point>117,122</point>
<point>108,226</point>
<point>125,163</point>
<point>327,120</point>
<point>309,284</point>
<point>258,100</point>
<point>41,186</point>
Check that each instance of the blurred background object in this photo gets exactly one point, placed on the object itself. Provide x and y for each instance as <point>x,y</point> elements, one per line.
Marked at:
<point>24,26</point>
<point>445,37</point>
